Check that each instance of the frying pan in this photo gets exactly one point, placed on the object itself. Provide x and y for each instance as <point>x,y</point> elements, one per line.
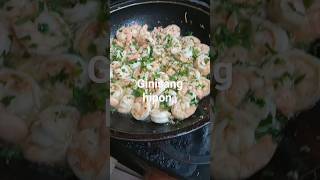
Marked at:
<point>192,17</point>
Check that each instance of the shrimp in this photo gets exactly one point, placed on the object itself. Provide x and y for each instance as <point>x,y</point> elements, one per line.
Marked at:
<point>51,135</point>
<point>59,74</point>
<point>294,16</point>
<point>236,151</point>
<point>173,30</point>
<point>289,12</point>
<point>313,15</point>
<point>143,35</point>
<point>21,91</point>
<point>123,73</point>
<point>188,41</point>
<point>238,90</point>
<point>202,63</point>
<point>272,35</point>
<point>183,108</point>
<point>185,55</point>
<point>47,34</point>
<point>125,35</point>
<point>116,93</point>
<point>202,88</point>
<point>203,48</point>
<point>133,57</point>
<point>186,86</point>
<point>286,101</point>
<point>140,109</point>
<point>12,128</point>
<point>302,90</point>
<point>91,40</point>
<point>20,9</point>
<point>159,116</point>
<point>126,103</point>
<point>87,153</point>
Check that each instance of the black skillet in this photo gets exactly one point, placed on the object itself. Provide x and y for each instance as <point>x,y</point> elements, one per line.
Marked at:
<point>192,17</point>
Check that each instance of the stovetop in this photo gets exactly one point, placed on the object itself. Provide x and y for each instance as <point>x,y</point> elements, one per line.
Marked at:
<point>187,156</point>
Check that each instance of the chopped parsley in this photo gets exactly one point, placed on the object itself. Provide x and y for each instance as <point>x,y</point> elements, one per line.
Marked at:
<point>164,106</point>
<point>223,37</point>
<point>6,101</point>
<point>138,92</point>
<point>91,98</point>
<point>156,75</point>
<point>278,61</point>
<point>195,53</point>
<point>60,77</point>
<point>189,33</point>
<point>298,79</point>
<point>25,38</point>
<point>43,28</point>
<point>270,49</point>
<point>267,127</point>
<point>194,101</point>
<point>260,102</point>
<point>169,41</point>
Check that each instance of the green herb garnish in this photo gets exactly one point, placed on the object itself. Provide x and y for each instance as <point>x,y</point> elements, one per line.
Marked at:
<point>7,100</point>
<point>43,28</point>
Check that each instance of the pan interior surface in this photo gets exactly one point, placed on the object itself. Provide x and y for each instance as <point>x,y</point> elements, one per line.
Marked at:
<point>191,18</point>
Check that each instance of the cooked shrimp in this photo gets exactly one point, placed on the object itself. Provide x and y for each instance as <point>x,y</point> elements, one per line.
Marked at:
<point>143,35</point>
<point>125,104</point>
<point>59,74</point>
<point>47,34</point>
<point>183,108</point>
<point>173,30</point>
<point>91,40</point>
<point>188,41</point>
<point>123,73</point>
<point>125,35</point>
<point>294,16</point>
<point>140,109</point>
<point>202,63</point>
<point>12,128</point>
<point>203,48</point>
<point>236,151</point>
<point>185,55</point>
<point>313,15</point>
<point>286,101</point>
<point>159,116</point>
<point>19,9</point>
<point>202,88</point>
<point>87,154</point>
<point>272,35</point>
<point>51,135</point>
<point>116,93</point>
<point>21,91</point>
<point>238,90</point>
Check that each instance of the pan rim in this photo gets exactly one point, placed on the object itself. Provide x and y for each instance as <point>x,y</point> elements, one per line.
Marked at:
<point>191,4</point>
